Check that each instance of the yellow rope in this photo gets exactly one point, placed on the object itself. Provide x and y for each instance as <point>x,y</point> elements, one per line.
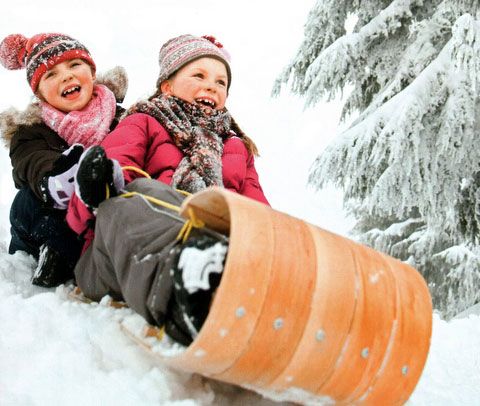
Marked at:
<point>192,222</point>
<point>187,227</point>
<point>145,174</point>
<point>135,169</point>
<point>153,200</point>
<point>183,192</point>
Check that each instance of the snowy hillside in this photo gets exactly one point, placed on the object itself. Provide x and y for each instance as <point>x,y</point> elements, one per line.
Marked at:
<point>55,351</point>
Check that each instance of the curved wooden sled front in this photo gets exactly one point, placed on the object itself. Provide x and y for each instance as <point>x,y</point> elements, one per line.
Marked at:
<point>304,312</point>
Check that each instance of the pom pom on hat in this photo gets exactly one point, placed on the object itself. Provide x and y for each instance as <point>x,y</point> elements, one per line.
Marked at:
<point>40,53</point>
<point>218,44</point>
<point>213,40</point>
<point>12,51</point>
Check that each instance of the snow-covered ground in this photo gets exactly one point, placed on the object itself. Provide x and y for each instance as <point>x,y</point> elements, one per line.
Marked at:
<point>55,351</point>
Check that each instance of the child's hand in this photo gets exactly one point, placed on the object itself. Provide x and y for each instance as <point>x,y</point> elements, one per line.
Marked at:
<point>98,177</point>
<point>59,184</point>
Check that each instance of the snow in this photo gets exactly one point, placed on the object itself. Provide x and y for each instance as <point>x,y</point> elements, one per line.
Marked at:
<point>197,265</point>
<point>55,350</point>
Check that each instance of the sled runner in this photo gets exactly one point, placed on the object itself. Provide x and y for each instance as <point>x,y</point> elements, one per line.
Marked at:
<point>301,311</point>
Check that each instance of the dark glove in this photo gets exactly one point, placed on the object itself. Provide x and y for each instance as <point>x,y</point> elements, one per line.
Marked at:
<point>98,177</point>
<point>58,185</point>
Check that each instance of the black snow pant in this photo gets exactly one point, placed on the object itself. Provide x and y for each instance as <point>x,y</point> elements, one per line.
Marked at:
<point>33,225</point>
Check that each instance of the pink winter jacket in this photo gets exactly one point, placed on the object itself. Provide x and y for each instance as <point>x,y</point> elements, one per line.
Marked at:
<point>141,141</point>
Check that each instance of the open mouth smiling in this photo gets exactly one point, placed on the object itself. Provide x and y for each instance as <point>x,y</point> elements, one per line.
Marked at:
<point>206,102</point>
<point>70,91</point>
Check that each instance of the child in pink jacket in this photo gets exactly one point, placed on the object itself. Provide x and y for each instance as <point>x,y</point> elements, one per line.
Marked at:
<point>185,139</point>
<point>182,136</point>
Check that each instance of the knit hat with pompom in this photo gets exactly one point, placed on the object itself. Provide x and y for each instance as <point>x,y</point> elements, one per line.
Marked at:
<point>40,53</point>
<point>179,51</point>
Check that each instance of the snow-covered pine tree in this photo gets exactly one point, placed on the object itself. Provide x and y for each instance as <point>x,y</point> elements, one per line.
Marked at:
<point>409,162</point>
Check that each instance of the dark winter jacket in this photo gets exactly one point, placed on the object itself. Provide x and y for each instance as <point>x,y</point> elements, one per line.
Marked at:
<point>34,147</point>
<point>33,150</point>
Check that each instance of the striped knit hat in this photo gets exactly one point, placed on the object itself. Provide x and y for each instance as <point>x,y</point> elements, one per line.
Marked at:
<point>40,53</point>
<point>179,51</point>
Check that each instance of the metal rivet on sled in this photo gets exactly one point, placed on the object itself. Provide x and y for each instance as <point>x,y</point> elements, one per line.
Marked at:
<point>365,394</point>
<point>240,312</point>
<point>320,335</point>
<point>223,332</point>
<point>200,353</point>
<point>365,352</point>
<point>374,278</point>
<point>252,291</point>
<point>289,378</point>
<point>405,370</point>
<point>278,323</point>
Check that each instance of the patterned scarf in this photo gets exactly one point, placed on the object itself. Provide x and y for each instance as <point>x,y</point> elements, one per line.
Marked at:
<point>88,126</point>
<point>198,132</point>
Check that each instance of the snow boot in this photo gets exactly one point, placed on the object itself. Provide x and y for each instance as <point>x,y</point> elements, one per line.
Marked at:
<point>96,177</point>
<point>175,326</point>
<point>196,274</point>
<point>52,270</point>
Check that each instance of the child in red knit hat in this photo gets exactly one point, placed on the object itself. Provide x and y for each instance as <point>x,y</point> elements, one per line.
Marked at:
<point>184,138</point>
<point>46,141</point>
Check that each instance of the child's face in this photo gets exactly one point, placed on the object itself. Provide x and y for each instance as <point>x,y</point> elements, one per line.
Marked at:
<point>203,81</point>
<point>68,86</point>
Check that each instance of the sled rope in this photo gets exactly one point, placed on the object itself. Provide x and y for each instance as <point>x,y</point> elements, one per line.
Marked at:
<point>183,192</point>
<point>191,223</point>
<point>145,174</point>
<point>153,200</point>
<point>135,169</point>
<point>128,168</point>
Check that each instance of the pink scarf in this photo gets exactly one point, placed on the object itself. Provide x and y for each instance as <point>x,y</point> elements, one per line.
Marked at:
<point>88,126</point>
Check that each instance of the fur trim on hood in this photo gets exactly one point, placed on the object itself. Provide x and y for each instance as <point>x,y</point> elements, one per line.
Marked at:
<point>115,79</point>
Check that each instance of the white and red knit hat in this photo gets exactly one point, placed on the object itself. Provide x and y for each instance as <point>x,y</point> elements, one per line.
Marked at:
<point>179,51</point>
<point>40,53</point>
